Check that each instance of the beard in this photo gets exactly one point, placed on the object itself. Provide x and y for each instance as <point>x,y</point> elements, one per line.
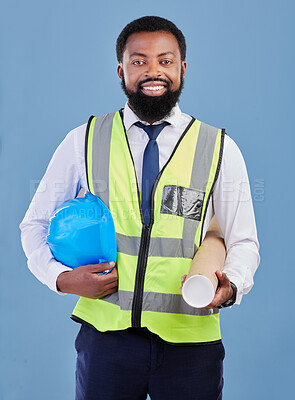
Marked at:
<point>153,108</point>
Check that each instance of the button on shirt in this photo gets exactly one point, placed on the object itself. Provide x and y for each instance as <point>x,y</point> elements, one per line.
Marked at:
<point>66,176</point>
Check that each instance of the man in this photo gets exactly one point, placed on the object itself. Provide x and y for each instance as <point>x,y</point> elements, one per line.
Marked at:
<point>163,175</point>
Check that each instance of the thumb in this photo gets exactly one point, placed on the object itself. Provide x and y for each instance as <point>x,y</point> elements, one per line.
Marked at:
<point>100,267</point>
<point>219,275</point>
<point>222,277</point>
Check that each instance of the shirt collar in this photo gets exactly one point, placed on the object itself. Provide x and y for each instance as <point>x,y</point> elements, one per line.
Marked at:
<point>130,118</point>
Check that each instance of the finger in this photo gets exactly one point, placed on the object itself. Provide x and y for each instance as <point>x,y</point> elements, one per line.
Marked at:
<point>183,278</point>
<point>99,267</point>
<point>103,290</point>
<point>213,304</point>
<point>111,277</point>
<point>106,271</point>
<point>110,291</point>
<point>114,272</point>
<point>218,299</point>
<point>102,284</point>
<point>112,285</point>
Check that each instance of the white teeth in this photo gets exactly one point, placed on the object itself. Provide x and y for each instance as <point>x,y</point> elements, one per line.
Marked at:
<point>154,88</point>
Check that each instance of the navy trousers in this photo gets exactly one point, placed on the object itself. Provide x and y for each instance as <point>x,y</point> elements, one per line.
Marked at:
<point>129,364</point>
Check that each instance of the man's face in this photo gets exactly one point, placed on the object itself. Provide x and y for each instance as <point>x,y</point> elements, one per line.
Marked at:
<point>152,73</point>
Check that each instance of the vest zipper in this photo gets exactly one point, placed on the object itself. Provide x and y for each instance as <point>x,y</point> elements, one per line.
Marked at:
<point>140,274</point>
<point>145,237</point>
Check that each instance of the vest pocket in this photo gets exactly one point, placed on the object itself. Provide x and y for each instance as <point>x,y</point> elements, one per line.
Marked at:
<point>182,201</point>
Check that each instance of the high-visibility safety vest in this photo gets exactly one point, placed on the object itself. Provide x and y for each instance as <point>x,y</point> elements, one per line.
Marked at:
<point>151,259</point>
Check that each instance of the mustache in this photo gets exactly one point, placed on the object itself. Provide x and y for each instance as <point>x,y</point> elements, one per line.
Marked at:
<point>168,83</point>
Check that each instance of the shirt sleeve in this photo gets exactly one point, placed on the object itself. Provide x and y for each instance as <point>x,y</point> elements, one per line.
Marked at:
<point>63,179</point>
<point>233,208</point>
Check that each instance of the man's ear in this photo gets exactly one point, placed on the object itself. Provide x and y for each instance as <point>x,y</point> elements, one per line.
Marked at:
<point>183,65</point>
<point>120,71</point>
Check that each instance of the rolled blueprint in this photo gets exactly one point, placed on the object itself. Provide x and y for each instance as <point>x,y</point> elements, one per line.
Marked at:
<point>201,282</point>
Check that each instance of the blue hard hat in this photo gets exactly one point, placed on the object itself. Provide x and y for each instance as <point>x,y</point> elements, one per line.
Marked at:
<point>82,232</point>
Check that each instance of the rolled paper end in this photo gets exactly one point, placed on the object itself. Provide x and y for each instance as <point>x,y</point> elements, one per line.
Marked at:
<point>198,291</point>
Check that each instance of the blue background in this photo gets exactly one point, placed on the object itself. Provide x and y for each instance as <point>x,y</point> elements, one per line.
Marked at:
<point>58,67</point>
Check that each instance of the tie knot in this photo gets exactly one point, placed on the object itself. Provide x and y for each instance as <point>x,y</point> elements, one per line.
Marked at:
<point>152,130</point>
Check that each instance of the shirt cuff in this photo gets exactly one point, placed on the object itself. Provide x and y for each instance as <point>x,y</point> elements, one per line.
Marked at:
<point>55,269</point>
<point>242,287</point>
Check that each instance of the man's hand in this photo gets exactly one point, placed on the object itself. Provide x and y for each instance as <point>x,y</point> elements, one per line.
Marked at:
<point>85,282</point>
<point>224,291</point>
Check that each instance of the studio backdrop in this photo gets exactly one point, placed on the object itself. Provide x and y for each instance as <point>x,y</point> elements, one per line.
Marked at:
<point>58,67</point>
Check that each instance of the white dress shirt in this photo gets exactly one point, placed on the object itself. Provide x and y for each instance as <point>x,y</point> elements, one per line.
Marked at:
<point>66,175</point>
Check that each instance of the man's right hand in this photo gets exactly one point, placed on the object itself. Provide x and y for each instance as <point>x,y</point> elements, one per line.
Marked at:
<point>85,282</point>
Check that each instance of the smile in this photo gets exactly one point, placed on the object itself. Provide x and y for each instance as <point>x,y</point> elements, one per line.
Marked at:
<point>153,90</point>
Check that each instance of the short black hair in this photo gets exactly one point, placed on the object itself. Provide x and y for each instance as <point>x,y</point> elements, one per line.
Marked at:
<point>150,24</point>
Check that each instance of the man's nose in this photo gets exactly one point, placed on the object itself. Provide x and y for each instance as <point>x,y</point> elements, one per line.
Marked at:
<point>153,69</point>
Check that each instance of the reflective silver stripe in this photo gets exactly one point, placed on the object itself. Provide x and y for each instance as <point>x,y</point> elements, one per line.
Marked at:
<point>199,178</point>
<point>166,247</point>
<point>171,303</point>
<point>101,156</point>
<point>203,156</point>
<point>128,244</point>
<point>157,302</point>
<point>159,247</point>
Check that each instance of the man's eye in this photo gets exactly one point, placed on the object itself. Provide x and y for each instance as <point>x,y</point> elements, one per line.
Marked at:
<point>166,62</point>
<point>138,62</point>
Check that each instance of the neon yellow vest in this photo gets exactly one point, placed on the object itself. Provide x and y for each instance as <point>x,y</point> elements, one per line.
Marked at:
<point>151,259</point>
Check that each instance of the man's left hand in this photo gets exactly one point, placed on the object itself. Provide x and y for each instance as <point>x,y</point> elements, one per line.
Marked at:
<point>224,291</point>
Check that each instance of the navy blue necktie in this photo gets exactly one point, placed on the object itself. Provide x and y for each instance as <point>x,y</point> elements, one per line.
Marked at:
<point>150,167</point>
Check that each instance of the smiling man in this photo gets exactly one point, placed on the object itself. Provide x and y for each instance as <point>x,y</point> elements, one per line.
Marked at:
<point>164,175</point>
<point>152,69</point>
